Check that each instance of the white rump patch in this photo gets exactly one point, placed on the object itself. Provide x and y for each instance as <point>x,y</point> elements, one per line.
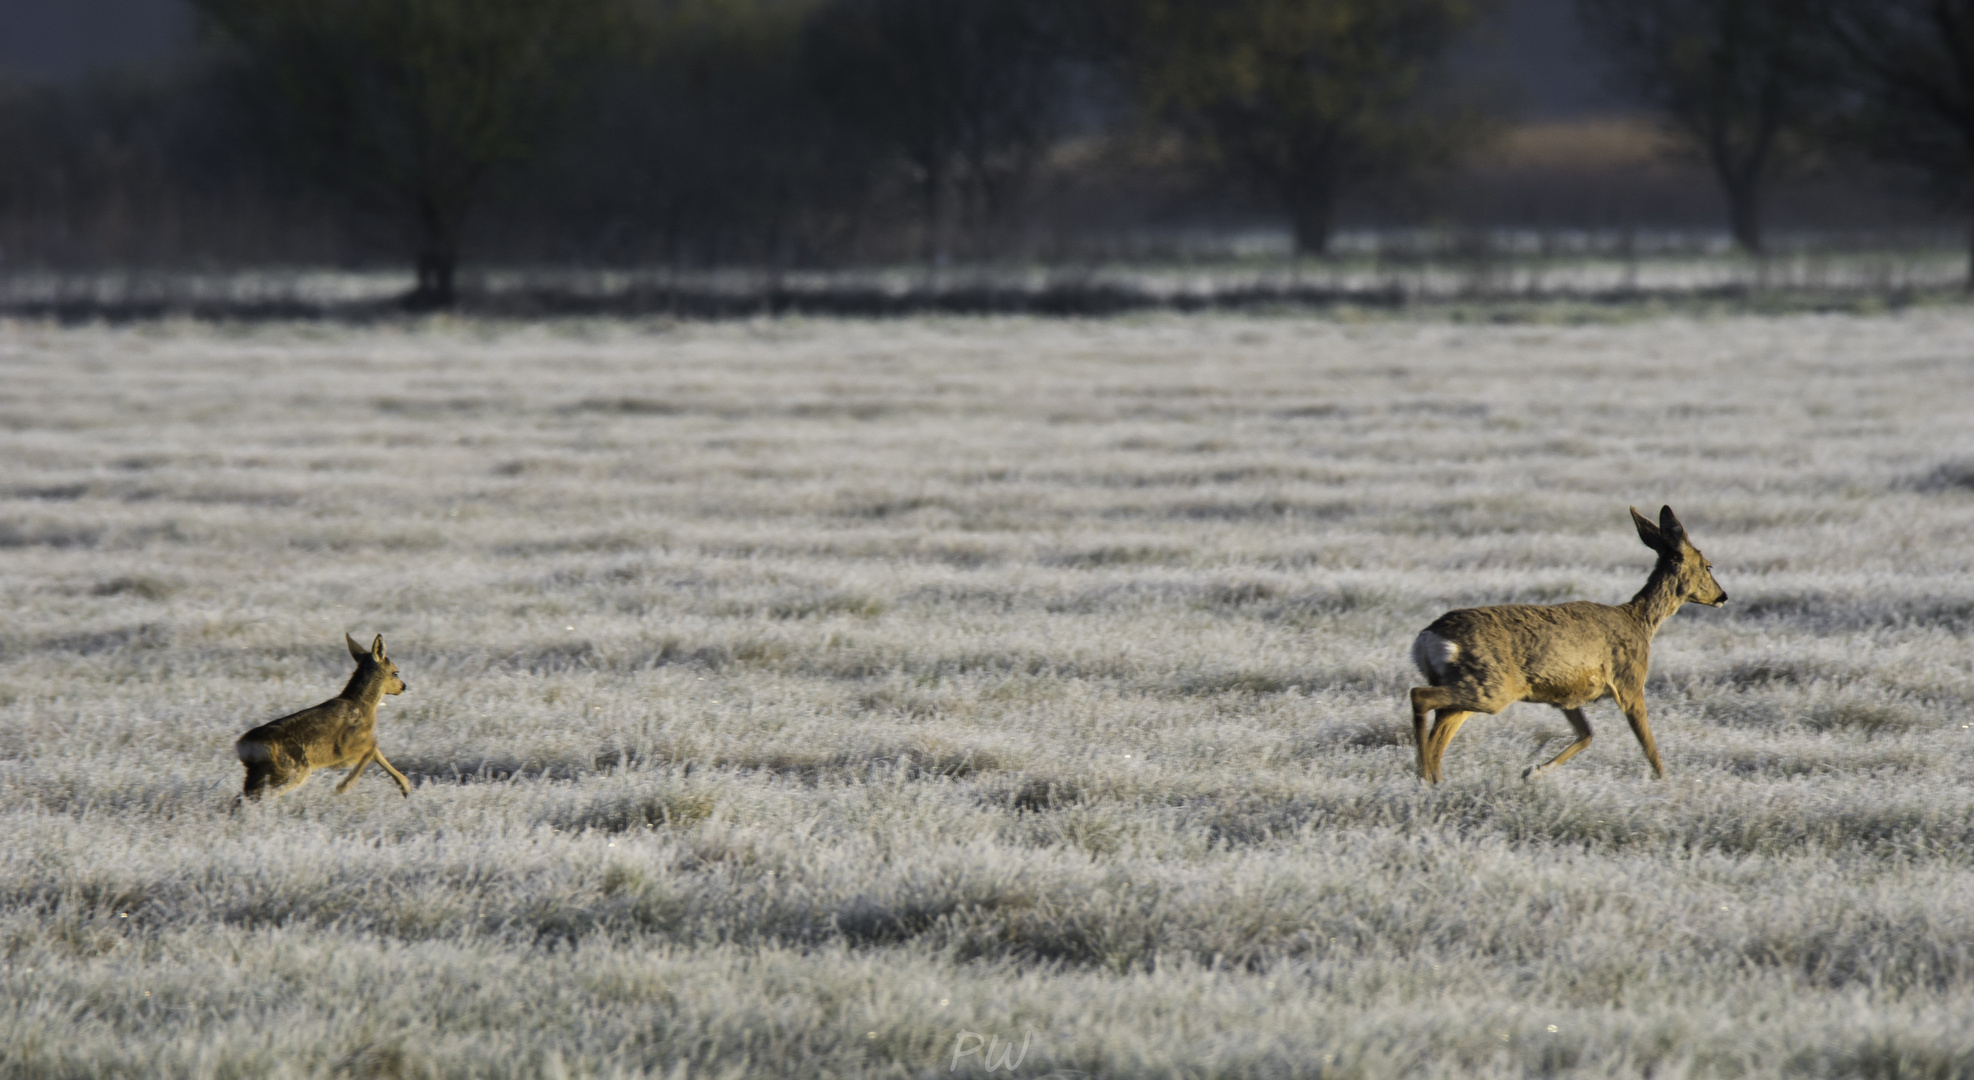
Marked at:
<point>251,751</point>
<point>1434,655</point>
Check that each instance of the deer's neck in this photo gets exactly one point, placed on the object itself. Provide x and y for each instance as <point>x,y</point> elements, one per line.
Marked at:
<point>1657,601</point>
<point>365,689</point>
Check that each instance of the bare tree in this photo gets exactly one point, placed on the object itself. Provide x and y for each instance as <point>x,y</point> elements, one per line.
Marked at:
<point>1910,70</point>
<point>1310,98</point>
<point>407,106</point>
<point>1737,81</point>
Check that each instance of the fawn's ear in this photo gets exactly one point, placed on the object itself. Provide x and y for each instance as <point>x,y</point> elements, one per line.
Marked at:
<point>356,651</point>
<point>1647,531</point>
<point>377,649</point>
<point>1671,529</point>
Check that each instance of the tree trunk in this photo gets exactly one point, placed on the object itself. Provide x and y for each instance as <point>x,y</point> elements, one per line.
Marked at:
<point>435,280</point>
<point>933,191</point>
<point>1969,284</point>
<point>1313,213</point>
<point>1744,213</point>
<point>438,251</point>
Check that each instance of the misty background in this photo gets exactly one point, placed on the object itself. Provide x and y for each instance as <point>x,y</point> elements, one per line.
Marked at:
<point>790,134</point>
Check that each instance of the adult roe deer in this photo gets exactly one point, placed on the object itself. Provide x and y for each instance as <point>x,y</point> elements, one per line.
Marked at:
<point>341,731</point>
<point>1566,655</point>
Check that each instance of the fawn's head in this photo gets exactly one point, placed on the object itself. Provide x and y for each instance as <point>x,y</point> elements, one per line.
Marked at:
<point>373,663</point>
<point>1692,574</point>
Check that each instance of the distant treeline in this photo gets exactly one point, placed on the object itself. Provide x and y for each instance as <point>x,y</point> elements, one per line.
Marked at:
<point>798,133</point>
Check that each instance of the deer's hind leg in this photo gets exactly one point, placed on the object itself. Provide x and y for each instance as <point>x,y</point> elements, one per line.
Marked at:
<point>1424,700</point>
<point>1446,724</point>
<point>271,778</point>
<point>1431,743</point>
<point>260,777</point>
<point>1582,727</point>
<point>1450,710</point>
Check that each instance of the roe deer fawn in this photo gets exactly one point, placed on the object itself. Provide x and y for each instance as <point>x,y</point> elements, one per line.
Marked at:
<point>341,731</point>
<point>1566,655</point>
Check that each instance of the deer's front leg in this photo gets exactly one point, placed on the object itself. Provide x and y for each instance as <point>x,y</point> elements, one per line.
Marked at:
<point>1582,728</point>
<point>1633,704</point>
<point>404,786</point>
<point>355,771</point>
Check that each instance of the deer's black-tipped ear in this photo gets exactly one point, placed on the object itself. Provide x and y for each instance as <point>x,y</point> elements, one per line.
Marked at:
<point>1647,531</point>
<point>356,651</point>
<point>1670,528</point>
<point>377,648</point>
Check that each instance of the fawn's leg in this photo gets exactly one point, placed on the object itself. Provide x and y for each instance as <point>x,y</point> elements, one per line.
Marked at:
<point>1582,727</point>
<point>404,786</point>
<point>1446,724</point>
<point>1633,705</point>
<point>356,770</point>
<point>258,776</point>
<point>269,779</point>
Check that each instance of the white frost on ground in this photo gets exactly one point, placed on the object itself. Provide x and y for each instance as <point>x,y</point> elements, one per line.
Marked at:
<point>790,696</point>
<point>1514,267</point>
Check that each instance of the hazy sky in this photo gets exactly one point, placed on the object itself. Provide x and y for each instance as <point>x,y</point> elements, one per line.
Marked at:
<point>1532,42</point>
<point>1536,43</point>
<point>59,39</point>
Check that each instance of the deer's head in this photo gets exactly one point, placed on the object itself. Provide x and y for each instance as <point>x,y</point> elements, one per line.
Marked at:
<point>377,664</point>
<point>1692,574</point>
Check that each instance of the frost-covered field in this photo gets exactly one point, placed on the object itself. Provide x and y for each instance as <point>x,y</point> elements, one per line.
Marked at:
<point>790,698</point>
